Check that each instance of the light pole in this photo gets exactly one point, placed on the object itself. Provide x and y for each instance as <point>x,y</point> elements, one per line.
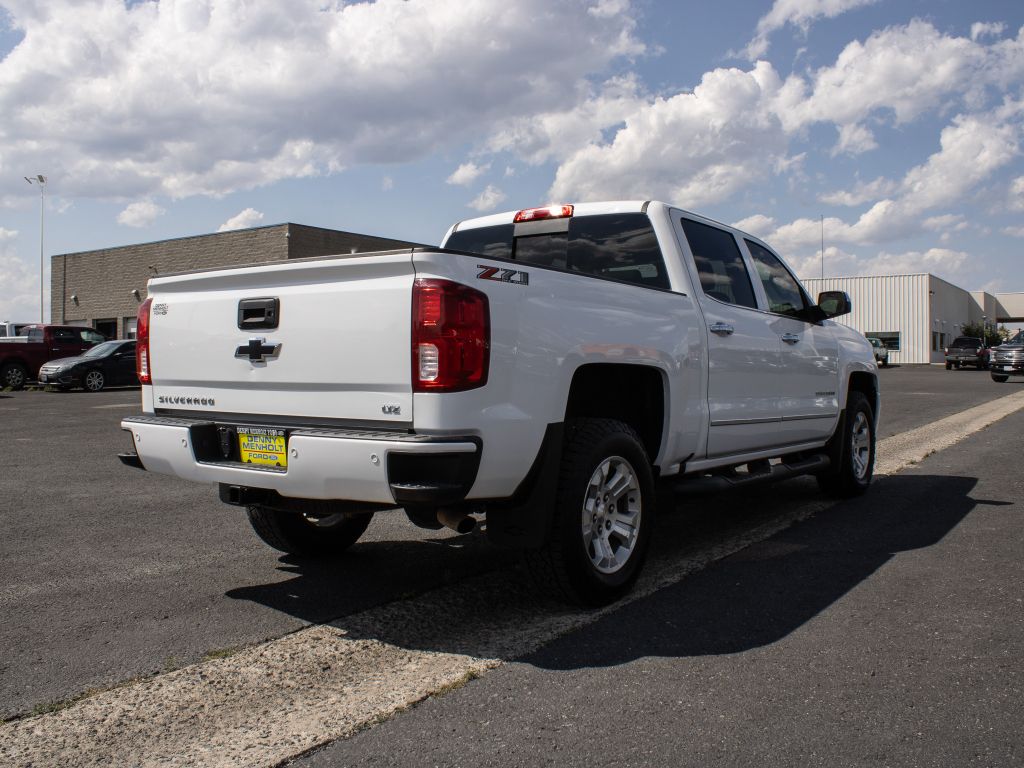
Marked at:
<point>40,180</point>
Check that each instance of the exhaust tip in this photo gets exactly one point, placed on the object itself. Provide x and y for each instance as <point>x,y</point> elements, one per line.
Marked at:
<point>460,522</point>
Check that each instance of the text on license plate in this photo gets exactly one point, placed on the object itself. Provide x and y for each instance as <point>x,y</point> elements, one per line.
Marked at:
<point>265,446</point>
<point>1007,367</point>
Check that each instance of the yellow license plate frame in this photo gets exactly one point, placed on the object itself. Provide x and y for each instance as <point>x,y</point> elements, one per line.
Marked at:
<point>263,447</point>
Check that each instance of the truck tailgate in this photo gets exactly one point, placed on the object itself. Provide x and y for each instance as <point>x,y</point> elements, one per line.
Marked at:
<point>340,349</point>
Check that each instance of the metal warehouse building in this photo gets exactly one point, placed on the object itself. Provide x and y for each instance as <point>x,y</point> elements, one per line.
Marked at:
<point>915,316</point>
<point>104,288</point>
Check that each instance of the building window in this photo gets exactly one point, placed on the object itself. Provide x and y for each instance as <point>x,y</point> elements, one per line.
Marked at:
<point>131,327</point>
<point>936,341</point>
<point>890,339</point>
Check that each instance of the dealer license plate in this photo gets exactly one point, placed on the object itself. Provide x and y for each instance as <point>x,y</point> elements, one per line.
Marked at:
<point>264,446</point>
<point>1007,367</point>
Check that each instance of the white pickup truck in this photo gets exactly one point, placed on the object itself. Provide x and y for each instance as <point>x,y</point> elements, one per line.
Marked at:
<point>544,370</point>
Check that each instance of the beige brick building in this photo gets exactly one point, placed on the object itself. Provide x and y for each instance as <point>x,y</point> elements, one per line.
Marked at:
<point>104,288</point>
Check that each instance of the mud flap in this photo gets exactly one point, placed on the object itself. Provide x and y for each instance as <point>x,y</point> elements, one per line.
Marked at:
<point>525,522</point>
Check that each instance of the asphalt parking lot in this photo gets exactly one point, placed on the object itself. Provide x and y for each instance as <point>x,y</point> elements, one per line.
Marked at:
<point>108,574</point>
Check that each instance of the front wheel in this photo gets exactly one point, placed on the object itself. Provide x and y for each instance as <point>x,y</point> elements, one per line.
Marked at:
<point>604,513</point>
<point>13,375</point>
<point>999,377</point>
<point>306,536</point>
<point>949,366</point>
<point>94,381</point>
<point>852,474</point>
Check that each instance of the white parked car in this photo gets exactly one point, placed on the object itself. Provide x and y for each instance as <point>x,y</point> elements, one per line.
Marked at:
<point>543,370</point>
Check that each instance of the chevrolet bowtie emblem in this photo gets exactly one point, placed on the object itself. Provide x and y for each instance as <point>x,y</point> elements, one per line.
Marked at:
<point>257,350</point>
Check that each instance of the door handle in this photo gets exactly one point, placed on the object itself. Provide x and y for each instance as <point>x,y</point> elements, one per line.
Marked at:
<point>790,338</point>
<point>722,329</point>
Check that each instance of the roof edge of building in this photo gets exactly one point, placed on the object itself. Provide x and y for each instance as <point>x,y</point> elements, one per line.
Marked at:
<point>182,237</point>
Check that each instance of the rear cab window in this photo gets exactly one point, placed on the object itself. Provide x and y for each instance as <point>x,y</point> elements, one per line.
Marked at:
<point>619,246</point>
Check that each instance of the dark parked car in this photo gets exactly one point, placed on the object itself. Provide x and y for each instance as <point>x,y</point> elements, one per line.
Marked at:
<point>1008,358</point>
<point>966,350</point>
<point>109,364</point>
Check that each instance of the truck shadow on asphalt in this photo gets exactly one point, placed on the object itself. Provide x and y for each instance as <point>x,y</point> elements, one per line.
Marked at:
<point>770,589</point>
<point>749,599</point>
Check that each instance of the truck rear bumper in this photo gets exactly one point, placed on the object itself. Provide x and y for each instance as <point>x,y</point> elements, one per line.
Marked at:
<point>341,464</point>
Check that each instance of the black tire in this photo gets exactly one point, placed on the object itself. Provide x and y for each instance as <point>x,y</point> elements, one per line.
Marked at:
<point>297,534</point>
<point>885,363</point>
<point>599,565</point>
<point>852,474</point>
<point>94,380</point>
<point>949,366</point>
<point>13,376</point>
<point>999,377</point>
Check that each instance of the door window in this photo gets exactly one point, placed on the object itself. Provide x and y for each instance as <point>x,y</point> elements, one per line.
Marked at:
<point>785,297</point>
<point>723,275</point>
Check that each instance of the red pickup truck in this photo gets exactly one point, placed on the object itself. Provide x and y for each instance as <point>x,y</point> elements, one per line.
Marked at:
<point>22,356</point>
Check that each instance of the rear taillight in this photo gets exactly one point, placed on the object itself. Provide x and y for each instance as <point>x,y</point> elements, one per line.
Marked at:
<point>142,362</point>
<point>451,336</point>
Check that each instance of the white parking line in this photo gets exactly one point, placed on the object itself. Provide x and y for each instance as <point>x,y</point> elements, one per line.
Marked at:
<point>276,700</point>
<point>132,404</point>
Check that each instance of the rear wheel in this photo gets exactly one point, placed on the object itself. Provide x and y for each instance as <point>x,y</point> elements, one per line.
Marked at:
<point>949,366</point>
<point>603,515</point>
<point>999,377</point>
<point>852,475</point>
<point>94,380</point>
<point>306,536</point>
<point>13,375</point>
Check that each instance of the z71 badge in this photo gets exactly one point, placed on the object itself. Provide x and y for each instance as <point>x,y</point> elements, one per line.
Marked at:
<point>513,276</point>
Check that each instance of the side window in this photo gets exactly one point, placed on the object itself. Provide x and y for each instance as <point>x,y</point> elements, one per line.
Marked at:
<point>723,275</point>
<point>64,336</point>
<point>784,294</point>
<point>91,337</point>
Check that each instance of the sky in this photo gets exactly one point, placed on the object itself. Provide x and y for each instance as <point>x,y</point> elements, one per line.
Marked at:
<point>895,126</point>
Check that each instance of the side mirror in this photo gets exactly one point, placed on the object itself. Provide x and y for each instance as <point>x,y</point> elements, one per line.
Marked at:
<point>834,303</point>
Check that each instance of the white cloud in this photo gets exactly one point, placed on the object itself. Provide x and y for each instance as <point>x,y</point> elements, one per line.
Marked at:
<point>799,13</point>
<point>140,214</point>
<point>19,299</point>
<point>980,29</point>
<point>250,217</point>
<point>1013,231</point>
<point>861,193</point>
<point>1016,200</point>
<point>947,222</point>
<point>693,148</point>
<point>387,184</point>
<point>945,263</point>
<point>758,225</point>
<point>467,173</point>
<point>738,127</point>
<point>488,199</point>
<point>854,139</point>
<point>181,98</point>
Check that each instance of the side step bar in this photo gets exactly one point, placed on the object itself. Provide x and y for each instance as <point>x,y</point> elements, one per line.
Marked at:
<point>691,486</point>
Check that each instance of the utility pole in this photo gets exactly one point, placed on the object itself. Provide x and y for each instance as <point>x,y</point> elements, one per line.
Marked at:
<point>40,181</point>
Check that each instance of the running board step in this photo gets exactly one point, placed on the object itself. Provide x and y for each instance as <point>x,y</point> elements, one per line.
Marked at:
<point>699,484</point>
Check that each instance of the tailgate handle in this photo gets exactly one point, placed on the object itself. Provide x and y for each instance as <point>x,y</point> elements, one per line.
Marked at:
<point>255,314</point>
